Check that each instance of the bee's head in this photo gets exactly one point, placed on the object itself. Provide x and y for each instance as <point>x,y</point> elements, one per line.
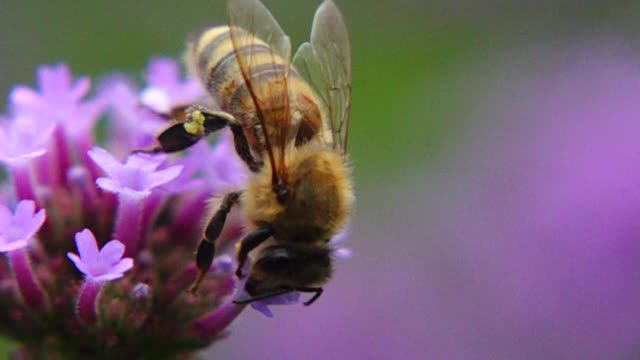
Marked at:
<point>282,268</point>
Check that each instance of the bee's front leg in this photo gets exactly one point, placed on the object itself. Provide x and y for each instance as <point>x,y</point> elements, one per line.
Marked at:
<point>249,243</point>
<point>206,250</point>
<point>193,123</point>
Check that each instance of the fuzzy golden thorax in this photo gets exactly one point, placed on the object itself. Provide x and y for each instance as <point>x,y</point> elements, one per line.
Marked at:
<point>319,200</point>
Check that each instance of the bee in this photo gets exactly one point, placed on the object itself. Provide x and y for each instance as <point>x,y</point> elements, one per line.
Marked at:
<point>289,120</point>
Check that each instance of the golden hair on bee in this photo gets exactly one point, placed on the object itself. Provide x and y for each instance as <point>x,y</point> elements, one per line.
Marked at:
<point>290,120</point>
<point>319,201</point>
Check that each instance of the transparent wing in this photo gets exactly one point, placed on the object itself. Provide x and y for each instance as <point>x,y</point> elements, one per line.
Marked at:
<point>325,63</point>
<point>308,67</point>
<point>263,51</point>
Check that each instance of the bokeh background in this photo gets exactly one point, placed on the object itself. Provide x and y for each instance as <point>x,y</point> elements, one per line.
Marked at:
<point>496,152</point>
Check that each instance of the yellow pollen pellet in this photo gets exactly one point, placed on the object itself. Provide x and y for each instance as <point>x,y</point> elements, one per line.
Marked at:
<point>198,117</point>
<point>194,128</point>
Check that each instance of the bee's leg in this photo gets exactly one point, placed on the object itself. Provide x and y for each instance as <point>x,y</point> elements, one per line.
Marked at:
<point>198,123</point>
<point>243,149</point>
<point>249,243</point>
<point>263,296</point>
<point>206,250</point>
<point>316,290</point>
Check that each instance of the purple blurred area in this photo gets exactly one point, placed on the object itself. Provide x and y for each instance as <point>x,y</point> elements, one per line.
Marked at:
<point>524,244</point>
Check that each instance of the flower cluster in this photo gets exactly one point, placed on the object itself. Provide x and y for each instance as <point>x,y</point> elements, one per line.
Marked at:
<point>99,242</point>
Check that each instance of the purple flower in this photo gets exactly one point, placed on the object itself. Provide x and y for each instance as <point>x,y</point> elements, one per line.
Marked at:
<point>223,169</point>
<point>57,101</point>
<point>136,177</point>
<point>22,141</point>
<point>132,125</point>
<point>166,90</point>
<point>285,299</point>
<point>99,265</point>
<point>133,182</point>
<point>16,229</point>
<point>154,205</point>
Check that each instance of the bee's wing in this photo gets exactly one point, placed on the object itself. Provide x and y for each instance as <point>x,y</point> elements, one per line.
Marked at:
<point>326,64</point>
<point>263,51</point>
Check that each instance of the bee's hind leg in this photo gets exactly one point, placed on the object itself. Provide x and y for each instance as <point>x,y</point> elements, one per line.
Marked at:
<point>206,250</point>
<point>194,123</point>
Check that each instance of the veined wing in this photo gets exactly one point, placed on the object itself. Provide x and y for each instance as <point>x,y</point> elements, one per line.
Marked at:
<point>263,51</point>
<point>325,63</point>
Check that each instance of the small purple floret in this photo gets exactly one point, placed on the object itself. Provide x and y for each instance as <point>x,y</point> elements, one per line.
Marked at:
<point>166,89</point>
<point>16,229</point>
<point>99,265</point>
<point>136,177</point>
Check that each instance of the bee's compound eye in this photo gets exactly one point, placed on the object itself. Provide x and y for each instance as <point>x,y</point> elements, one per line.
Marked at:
<point>278,259</point>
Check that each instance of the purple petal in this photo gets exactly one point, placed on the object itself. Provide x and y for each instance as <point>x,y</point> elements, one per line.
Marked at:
<point>111,252</point>
<point>146,162</point>
<point>80,88</point>
<point>105,160</point>
<point>22,225</point>
<point>24,210</point>
<point>87,246</point>
<point>343,253</point>
<point>35,223</point>
<point>109,185</point>
<point>163,72</point>
<point>341,236</point>
<point>5,216</point>
<point>12,245</point>
<point>163,176</point>
<point>122,266</point>
<point>78,263</point>
<point>106,277</point>
<point>24,96</point>
<point>284,299</point>
<point>51,80</point>
<point>134,195</point>
<point>224,264</point>
<point>156,99</point>
<point>261,307</point>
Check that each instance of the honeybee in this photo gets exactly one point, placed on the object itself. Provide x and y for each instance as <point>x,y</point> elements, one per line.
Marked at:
<point>290,123</point>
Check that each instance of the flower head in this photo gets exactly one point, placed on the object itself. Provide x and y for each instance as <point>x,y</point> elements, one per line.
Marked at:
<point>99,265</point>
<point>144,202</point>
<point>16,229</point>
<point>152,204</point>
<point>136,177</point>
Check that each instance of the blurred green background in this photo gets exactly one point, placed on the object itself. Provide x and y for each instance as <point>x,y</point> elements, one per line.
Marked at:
<point>412,60</point>
<point>417,65</point>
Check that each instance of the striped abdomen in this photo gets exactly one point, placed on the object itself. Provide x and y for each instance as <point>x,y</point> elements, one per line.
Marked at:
<point>211,57</point>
